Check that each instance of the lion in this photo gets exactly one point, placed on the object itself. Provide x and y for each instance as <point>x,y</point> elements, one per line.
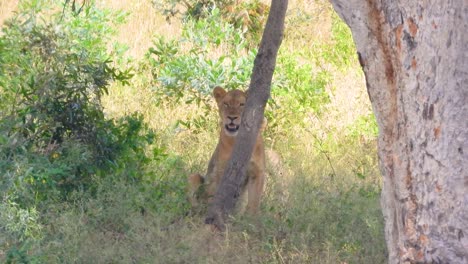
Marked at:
<point>230,106</point>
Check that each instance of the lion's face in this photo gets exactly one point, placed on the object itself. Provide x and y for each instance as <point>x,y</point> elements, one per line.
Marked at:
<point>231,105</point>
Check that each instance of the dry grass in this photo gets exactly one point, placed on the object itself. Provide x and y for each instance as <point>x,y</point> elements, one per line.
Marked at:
<point>7,7</point>
<point>143,23</point>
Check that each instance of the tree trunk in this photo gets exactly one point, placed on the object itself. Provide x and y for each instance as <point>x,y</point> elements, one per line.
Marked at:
<point>259,91</point>
<point>415,58</point>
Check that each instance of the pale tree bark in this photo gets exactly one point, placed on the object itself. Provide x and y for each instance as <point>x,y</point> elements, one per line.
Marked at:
<point>415,58</point>
<point>228,191</point>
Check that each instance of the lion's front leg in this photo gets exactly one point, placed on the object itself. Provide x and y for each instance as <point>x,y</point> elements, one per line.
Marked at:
<point>195,181</point>
<point>255,185</point>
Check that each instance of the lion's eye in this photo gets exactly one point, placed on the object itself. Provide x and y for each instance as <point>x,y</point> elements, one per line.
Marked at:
<point>225,105</point>
<point>242,104</point>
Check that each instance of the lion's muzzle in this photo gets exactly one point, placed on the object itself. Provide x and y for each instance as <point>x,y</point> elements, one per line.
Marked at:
<point>231,128</point>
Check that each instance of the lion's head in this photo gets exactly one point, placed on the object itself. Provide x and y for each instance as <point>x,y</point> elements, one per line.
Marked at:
<point>230,104</point>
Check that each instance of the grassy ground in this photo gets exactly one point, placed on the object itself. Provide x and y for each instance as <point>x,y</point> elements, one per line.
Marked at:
<point>321,203</point>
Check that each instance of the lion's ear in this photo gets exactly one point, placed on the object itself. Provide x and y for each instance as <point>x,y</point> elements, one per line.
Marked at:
<point>218,93</point>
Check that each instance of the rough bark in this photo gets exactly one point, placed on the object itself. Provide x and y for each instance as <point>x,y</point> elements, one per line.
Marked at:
<point>259,91</point>
<point>415,58</point>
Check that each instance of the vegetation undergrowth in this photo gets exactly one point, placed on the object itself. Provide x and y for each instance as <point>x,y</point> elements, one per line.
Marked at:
<point>96,144</point>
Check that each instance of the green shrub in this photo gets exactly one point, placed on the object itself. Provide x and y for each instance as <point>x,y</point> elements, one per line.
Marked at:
<point>21,224</point>
<point>54,137</point>
<point>186,67</point>
<point>365,126</point>
<point>53,71</point>
<point>20,229</point>
<point>300,83</point>
<point>248,16</point>
<point>342,51</point>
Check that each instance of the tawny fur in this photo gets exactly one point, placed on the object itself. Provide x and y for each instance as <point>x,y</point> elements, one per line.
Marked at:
<point>202,189</point>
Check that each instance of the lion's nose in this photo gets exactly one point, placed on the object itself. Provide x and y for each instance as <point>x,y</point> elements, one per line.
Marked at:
<point>232,118</point>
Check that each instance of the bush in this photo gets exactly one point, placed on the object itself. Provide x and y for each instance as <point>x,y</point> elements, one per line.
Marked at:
<point>53,73</point>
<point>185,67</point>
<point>248,16</point>
<point>54,137</point>
<point>342,52</point>
<point>189,9</point>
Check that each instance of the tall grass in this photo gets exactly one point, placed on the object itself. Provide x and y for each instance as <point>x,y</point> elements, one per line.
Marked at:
<point>6,9</point>
<point>321,202</point>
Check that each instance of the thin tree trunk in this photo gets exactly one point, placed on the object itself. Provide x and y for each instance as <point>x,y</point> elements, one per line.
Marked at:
<point>259,91</point>
<point>415,58</point>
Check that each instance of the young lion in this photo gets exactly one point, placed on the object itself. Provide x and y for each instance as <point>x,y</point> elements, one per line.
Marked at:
<point>230,105</point>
